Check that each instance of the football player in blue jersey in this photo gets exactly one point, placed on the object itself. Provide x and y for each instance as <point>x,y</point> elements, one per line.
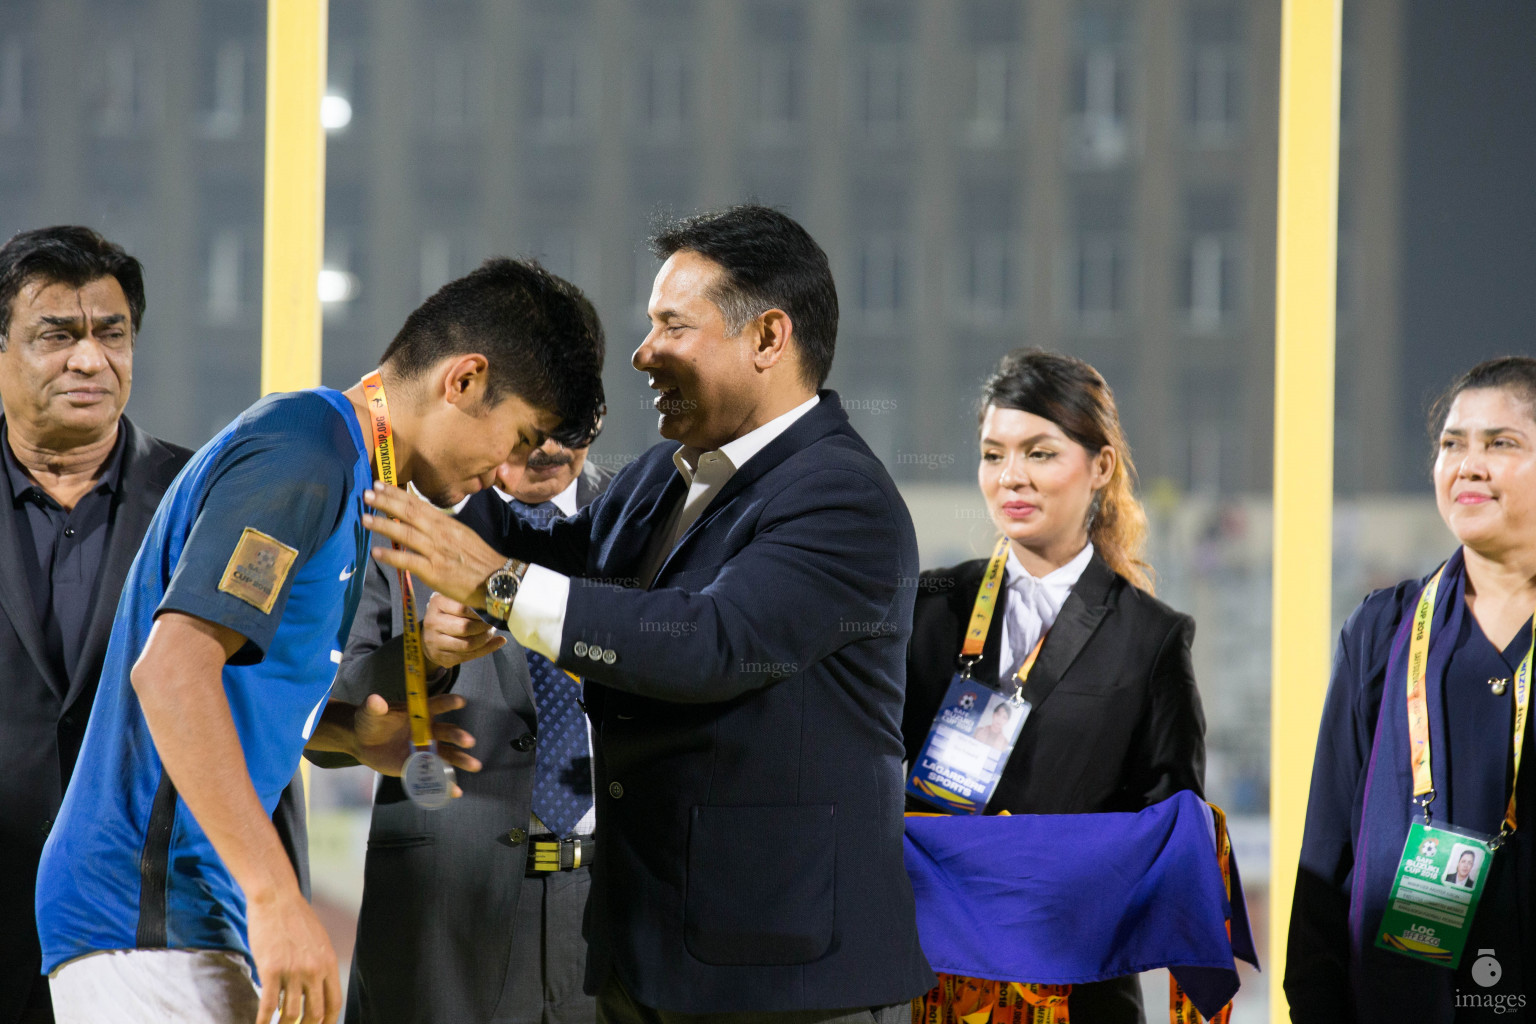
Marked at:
<point>163,882</point>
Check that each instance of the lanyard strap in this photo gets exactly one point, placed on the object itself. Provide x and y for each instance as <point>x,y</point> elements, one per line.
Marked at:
<point>981,620</point>
<point>986,603</point>
<point>415,661</point>
<point>1418,707</point>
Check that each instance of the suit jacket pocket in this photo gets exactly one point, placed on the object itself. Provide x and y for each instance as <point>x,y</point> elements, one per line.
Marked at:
<point>760,886</point>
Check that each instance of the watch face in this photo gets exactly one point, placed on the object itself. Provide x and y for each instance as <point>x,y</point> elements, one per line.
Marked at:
<point>502,585</point>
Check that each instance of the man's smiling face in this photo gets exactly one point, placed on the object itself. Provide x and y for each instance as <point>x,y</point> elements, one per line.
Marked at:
<point>707,381</point>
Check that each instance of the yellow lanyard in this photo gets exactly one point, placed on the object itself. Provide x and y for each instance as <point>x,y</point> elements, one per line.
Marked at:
<point>1418,708</point>
<point>415,661</point>
<point>981,621</point>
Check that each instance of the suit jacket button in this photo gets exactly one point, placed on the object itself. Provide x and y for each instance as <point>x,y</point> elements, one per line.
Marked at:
<point>525,742</point>
<point>615,790</point>
<point>517,836</point>
<point>595,653</point>
<point>579,648</point>
<point>609,657</point>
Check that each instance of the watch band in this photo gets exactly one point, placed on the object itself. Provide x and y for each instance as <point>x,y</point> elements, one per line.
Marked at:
<point>497,608</point>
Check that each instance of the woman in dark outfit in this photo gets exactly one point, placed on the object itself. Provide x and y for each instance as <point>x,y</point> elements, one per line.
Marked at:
<point>1361,802</point>
<point>1112,717</point>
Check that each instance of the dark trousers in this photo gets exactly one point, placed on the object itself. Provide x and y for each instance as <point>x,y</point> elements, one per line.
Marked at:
<point>549,956</point>
<point>38,1009</point>
<point>616,1006</point>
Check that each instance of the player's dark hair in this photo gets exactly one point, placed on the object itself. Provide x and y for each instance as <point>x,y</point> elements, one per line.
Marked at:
<point>539,333</point>
<point>69,255</point>
<point>769,262</point>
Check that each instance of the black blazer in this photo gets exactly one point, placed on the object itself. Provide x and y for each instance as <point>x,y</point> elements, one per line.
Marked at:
<point>1115,721</point>
<point>748,714</point>
<point>440,888</point>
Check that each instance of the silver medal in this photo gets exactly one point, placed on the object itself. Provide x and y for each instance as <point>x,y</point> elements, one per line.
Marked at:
<point>428,780</point>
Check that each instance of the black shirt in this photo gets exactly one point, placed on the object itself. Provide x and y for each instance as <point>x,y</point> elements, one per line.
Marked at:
<point>61,550</point>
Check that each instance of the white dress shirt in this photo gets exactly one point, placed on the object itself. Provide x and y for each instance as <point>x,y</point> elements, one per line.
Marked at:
<point>537,618</point>
<point>1032,607</point>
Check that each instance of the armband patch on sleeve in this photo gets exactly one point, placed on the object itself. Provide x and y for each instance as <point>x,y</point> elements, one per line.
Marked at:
<point>257,569</point>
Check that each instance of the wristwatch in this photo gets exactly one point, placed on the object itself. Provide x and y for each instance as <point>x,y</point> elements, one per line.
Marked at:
<point>501,589</point>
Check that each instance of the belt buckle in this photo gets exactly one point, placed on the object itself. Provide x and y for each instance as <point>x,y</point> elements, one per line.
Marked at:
<point>550,855</point>
<point>546,855</point>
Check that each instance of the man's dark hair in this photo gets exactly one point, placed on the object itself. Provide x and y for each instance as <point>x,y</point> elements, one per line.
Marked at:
<point>769,262</point>
<point>541,336</point>
<point>68,255</point>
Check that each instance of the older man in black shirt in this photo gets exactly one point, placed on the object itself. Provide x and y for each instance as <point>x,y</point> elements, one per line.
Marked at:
<point>78,487</point>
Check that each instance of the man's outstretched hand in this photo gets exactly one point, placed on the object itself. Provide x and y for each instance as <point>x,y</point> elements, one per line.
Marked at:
<point>437,549</point>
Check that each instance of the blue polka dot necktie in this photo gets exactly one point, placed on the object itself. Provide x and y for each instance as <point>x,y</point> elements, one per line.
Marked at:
<point>562,770</point>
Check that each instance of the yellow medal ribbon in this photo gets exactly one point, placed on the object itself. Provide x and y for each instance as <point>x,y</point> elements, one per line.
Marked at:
<point>415,660</point>
<point>981,620</point>
<point>1418,707</point>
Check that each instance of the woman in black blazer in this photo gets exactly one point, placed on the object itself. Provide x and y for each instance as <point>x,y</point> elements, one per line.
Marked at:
<point>1113,719</point>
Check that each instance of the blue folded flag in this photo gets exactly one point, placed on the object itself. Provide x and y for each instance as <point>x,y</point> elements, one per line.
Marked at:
<point>1064,899</point>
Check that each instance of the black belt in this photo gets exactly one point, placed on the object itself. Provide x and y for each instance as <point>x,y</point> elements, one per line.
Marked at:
<point>549,853</point>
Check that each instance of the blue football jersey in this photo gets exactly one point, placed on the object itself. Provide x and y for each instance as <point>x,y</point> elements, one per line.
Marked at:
<point>261,533</point>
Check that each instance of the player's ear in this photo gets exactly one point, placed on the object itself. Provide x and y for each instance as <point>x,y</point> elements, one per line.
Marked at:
<point>462,377</point>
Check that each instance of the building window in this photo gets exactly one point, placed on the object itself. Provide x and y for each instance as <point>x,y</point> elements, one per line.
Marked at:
<point>990,269</point>
<point>435,262</point>
<point>125,101</point>
<point>994,104</point>
<point>558,90</point>
<point>663,95</point>
<point>882,275</point>
<point>1213,93</point>
<point>1101,135</point>
<point>225,115</point>
<point>338,284</point>
<point>1099,277</point>
<point>224,297</point>
<point>773,108</point>
<point>566,253</point>
<point>1209,282</point>
<point>880,90</point>
<point>12,84</point>
<point>453,102</point>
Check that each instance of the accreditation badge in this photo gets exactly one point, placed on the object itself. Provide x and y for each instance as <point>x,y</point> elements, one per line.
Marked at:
<point>1439,881</point>
<point>967,747</point>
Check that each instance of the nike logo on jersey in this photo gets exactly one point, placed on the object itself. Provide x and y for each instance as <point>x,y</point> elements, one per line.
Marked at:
<point>346,573</point>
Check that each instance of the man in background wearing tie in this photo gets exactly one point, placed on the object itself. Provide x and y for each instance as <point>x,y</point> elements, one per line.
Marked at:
<point>473,912</point>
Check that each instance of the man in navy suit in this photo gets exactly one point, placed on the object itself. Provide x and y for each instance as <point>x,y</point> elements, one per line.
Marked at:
<point>739,603</point>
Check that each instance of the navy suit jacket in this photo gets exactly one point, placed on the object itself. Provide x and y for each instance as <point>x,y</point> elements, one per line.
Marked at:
<point>747,707</point>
